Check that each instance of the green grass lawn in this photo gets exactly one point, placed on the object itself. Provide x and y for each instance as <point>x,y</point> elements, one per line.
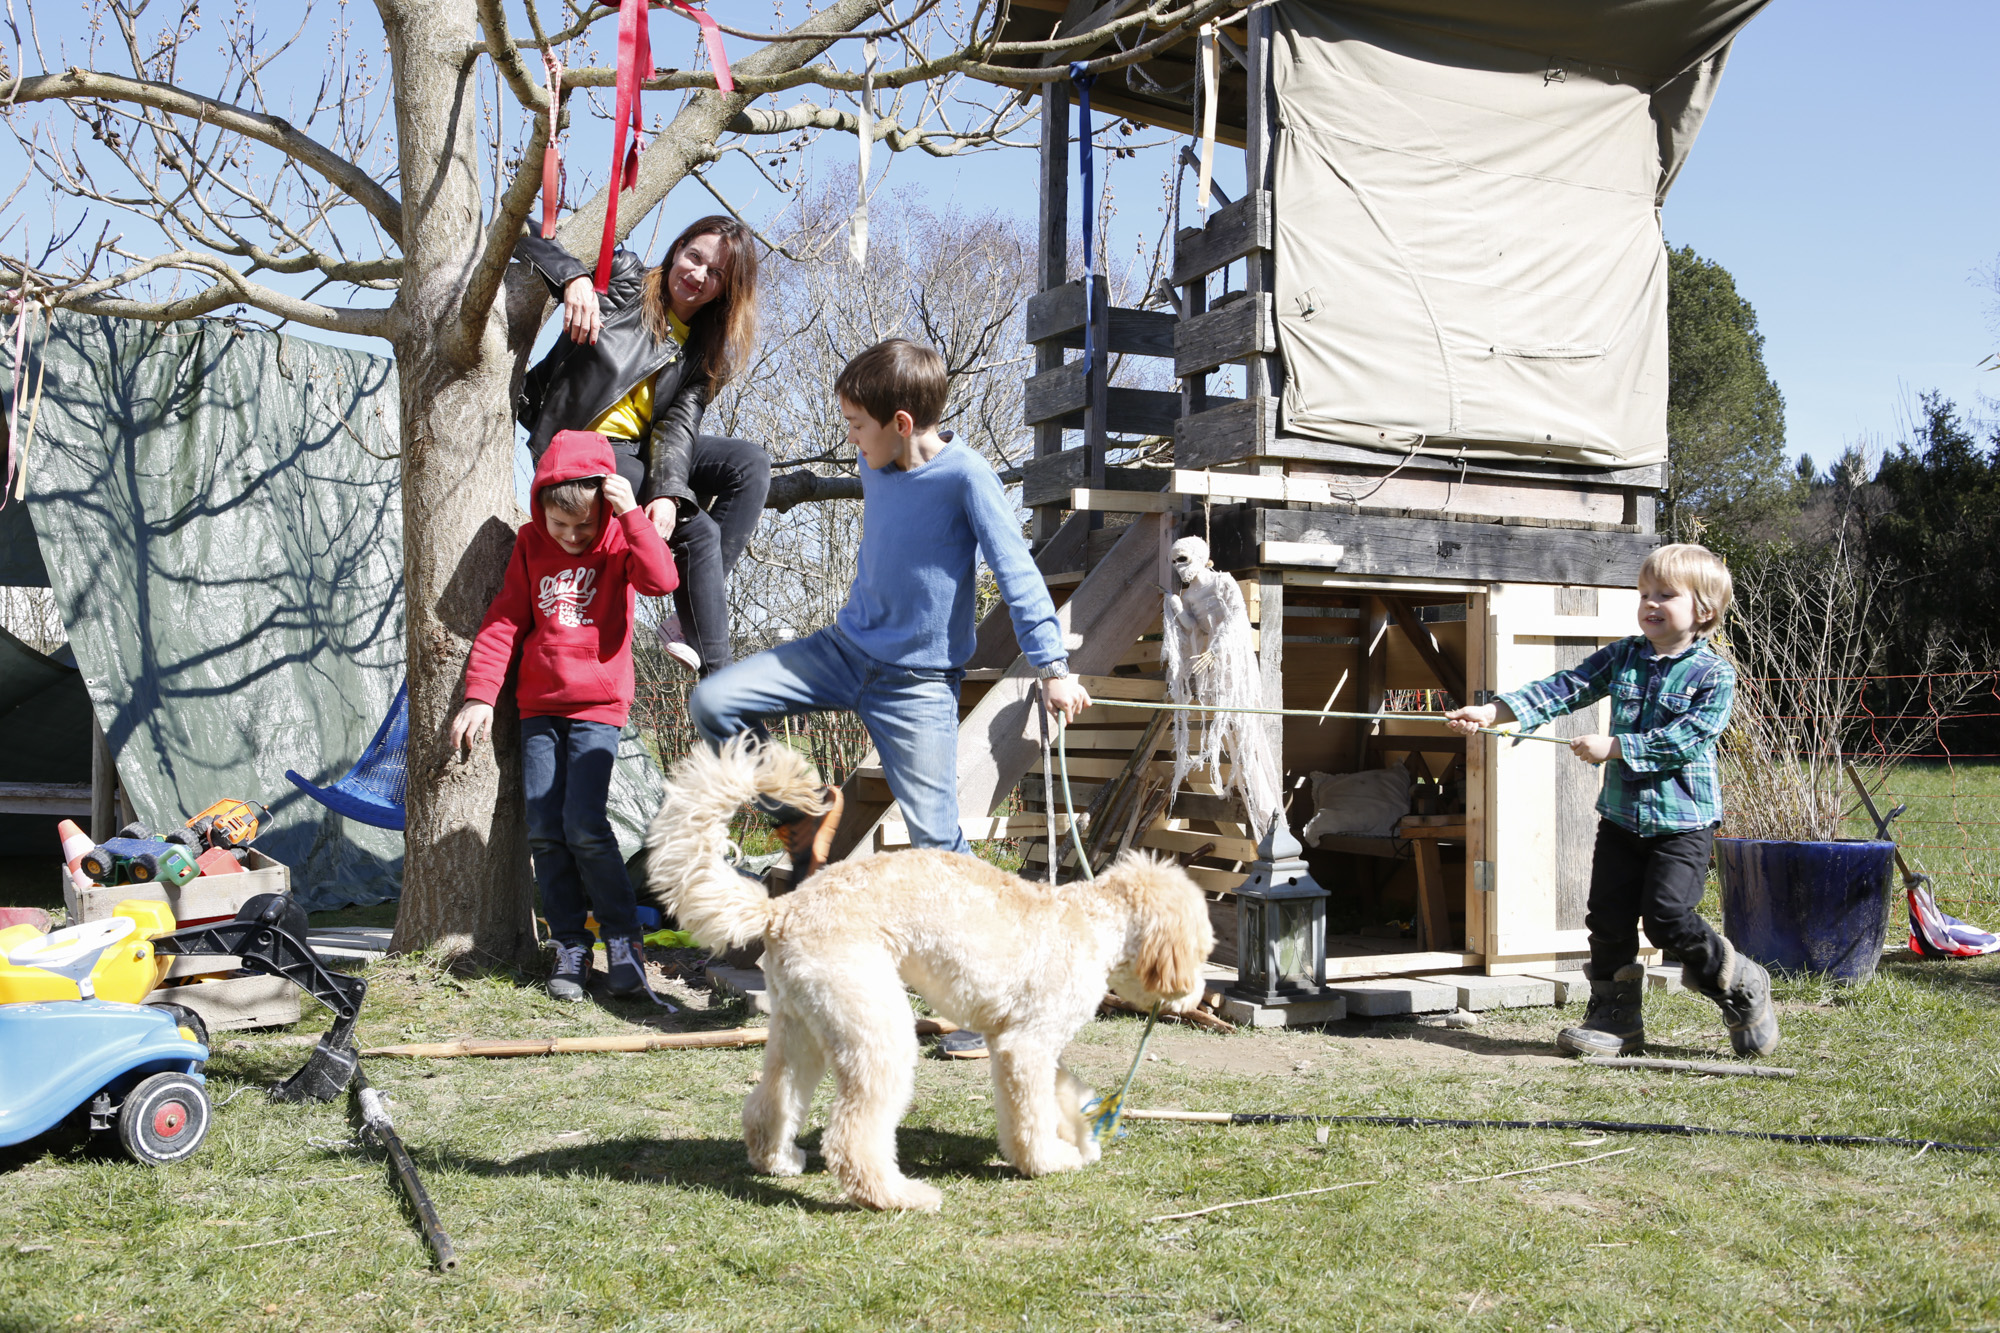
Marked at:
<point>611,1191</point>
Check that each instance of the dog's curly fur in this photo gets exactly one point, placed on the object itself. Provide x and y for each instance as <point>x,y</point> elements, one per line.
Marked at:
<point>1023,963</point>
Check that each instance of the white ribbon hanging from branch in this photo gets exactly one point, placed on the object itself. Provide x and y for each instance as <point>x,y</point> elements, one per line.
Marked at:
<point>857,226</point>
<point>1211,79</point>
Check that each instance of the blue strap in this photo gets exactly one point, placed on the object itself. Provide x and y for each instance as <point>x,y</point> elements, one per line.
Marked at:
<point>1084,164</point>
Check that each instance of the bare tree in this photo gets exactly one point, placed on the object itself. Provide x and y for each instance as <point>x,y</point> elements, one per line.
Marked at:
<point>365,182</point>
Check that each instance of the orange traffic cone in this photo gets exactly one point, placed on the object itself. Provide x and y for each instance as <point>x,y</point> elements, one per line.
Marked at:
<point>75,844</point>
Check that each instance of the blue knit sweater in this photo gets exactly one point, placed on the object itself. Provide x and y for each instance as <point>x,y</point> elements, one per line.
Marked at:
<point>921,531</point>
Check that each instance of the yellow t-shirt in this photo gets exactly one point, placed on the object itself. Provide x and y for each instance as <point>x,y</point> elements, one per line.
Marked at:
<point>632,416</point>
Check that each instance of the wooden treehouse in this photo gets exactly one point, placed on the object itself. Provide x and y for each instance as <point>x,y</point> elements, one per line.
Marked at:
<point>1446,292</point>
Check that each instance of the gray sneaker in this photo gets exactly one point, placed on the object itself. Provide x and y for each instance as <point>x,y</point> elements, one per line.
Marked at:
<point>572,971</point>
<point>627,957</point>
<point>1613,1024</point>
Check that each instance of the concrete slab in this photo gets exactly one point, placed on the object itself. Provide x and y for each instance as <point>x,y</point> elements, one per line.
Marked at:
<point>1302,1013</point>
<point>1570,987</point>
<point>1664,978</point>
<point>1395,995</point>
<point>742,983</point>
<point>1477,993</point>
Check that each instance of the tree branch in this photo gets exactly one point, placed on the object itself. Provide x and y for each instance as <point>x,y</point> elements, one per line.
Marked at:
<point>802,487</point>
<point>972,61</point>
<point>507,55</point>
<point>886,129</point>
<point>272,131</point>
<point>229,288</point>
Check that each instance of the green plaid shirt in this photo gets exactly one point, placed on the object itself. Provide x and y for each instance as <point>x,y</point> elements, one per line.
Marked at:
<point>1666,712</point>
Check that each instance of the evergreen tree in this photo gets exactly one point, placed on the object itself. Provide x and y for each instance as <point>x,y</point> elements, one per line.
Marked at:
<point>1939,537</point>
<point>1725,418</point>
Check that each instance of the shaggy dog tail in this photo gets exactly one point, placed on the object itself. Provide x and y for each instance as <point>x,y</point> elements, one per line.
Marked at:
<point>688,870</point>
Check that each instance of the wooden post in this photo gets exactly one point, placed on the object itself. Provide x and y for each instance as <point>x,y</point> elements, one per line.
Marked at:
<point>1054,268</point>
<point>1271,664</point>
<point>103,785</point>
<point>1263,376</point>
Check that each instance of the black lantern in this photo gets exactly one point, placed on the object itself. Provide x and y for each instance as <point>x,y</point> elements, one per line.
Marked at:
<point>1280,925</point>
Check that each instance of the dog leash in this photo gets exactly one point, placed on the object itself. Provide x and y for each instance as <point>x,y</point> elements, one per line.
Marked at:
<point>1104,1124</point>
<point>1104,1112</point>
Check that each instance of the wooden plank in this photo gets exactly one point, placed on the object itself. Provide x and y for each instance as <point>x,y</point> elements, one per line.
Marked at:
<point>1478,769</point>
<point>1124,502</point>
<point>1061,395</point>
<point>1052,244</point>
<point>47,798</point>
<point>1240,329</point>
<point>1311,555</point>
<point>1000,737</point>
<point>1232,232</point>
<point>1092,766</point>
<point>1226,433</point>
<point>1057,316</point>
<point>1433,912</point>
<point>1645,478</point>
<point>1487,552</point>
<point>1050,479</point>
<point>1447,672</point>
<point>1248,486</point>
<point>1163,839</point>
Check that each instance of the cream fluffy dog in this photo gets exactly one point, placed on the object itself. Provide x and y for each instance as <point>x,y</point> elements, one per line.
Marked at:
<point>1023,963</point>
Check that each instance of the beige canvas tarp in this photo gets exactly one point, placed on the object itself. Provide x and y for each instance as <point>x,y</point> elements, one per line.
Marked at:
<point>1469,256</point>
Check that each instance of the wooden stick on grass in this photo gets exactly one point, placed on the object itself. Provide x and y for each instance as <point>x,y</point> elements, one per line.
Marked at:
<point>1689,1066</point>
<point>504,1047</point>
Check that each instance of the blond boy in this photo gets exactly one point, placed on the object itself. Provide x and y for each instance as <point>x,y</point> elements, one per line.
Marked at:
<point>1662,801</point>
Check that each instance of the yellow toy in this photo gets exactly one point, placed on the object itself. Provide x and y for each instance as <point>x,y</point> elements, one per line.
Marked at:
<point>128,971</point>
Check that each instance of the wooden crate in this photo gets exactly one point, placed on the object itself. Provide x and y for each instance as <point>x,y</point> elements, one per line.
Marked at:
<point>202,898</point>
<point>231,1004</point>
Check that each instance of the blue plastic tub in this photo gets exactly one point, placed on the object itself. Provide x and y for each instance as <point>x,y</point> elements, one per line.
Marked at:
<point>1819,907</point>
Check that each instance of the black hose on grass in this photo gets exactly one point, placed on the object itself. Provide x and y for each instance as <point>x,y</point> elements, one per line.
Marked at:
<point>1596,1126</point>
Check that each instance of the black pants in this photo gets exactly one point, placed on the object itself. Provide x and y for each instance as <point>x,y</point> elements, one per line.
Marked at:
<point>1658,880</point>
<point>729,479</point>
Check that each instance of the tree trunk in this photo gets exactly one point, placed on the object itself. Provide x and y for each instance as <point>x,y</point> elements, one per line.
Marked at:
<point>466,886</point>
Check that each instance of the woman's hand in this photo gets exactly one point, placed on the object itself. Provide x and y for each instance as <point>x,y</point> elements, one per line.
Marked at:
<point>664,514</point>
<point>472,726</point>
<point>582,320</point>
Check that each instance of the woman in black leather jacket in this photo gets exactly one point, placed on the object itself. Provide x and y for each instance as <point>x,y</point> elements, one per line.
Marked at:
<point>640,364</point>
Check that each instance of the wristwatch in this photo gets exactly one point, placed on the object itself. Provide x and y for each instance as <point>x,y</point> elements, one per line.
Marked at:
<point>1056,670</point>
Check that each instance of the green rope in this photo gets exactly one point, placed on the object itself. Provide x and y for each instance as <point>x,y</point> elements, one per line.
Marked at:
<point>1069,806</point>
<point>1104,1124</point>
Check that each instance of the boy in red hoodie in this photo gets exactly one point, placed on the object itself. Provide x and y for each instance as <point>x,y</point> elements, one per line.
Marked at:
<point>565,615</point>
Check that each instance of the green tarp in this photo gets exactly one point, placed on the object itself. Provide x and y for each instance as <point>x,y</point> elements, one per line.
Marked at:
<point>219,516</point>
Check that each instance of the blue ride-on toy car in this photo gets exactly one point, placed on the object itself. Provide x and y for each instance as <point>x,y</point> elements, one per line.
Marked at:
<point>134,1066</point>
<point>137,1067</point>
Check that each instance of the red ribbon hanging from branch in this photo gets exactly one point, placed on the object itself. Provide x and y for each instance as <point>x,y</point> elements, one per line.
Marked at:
<point>711,36</point>
<point>635,66</point>
<point>552,155</point>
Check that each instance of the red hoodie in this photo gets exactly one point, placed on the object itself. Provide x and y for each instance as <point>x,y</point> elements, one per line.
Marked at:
<point>569,617</point>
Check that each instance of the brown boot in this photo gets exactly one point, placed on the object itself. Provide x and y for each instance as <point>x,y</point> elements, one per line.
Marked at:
<point>809,839</point>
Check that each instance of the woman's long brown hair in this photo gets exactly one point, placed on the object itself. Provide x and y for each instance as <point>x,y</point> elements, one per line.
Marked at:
<point>723,332</point>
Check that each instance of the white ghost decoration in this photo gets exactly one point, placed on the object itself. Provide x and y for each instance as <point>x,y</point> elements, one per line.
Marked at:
<point>1210,661</point>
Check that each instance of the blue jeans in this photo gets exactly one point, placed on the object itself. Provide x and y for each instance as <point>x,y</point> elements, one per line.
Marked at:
<point>566,770</point>
<point>911,715</point>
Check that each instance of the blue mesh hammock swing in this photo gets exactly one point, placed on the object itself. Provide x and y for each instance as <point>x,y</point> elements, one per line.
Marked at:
<point>371,792</point>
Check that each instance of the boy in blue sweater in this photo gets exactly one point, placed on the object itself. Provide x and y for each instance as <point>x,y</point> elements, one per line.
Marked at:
<point>897,650</point>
